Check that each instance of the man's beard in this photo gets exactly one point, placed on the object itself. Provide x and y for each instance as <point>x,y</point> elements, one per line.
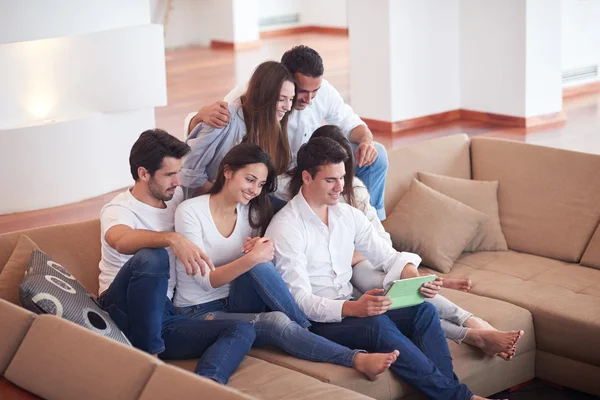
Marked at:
<point>157,193</point>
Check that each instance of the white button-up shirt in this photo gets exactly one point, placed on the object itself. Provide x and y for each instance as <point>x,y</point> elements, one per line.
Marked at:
<point>315,260</point>
<point>328,105</point>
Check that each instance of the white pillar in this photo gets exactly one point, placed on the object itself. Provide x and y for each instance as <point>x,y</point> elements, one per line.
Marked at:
<point>404,60</point>
<point>510,53</point>
<point>410,60</point>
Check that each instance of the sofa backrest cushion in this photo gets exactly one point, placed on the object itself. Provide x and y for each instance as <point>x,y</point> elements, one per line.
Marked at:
<point>443,156</point>
<point>549,199</point>
<point>15,323</point>
<point>75,246</point>
<point>60,360</point>
<point>169,382</point>
<point>591,257</point>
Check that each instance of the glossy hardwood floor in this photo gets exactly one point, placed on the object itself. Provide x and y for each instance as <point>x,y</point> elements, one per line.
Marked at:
<point>200,76</point>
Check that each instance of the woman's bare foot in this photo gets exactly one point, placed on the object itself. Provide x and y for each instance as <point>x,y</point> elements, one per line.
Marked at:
<point>464,285</point>
<point>375,364</point>
<point>477,323</point>
<point>492,342</point>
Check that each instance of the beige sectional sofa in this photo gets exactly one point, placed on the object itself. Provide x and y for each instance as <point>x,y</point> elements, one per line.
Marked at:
<point>546,284</point>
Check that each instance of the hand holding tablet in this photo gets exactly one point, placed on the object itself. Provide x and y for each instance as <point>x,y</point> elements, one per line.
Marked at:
<point>406,292</point>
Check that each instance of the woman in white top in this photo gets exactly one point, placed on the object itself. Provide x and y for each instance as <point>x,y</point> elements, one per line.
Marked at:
<point>458,324</point>
<point>227,223</point>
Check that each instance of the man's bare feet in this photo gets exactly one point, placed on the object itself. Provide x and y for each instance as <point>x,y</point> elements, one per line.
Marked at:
<point>375,364</point>
<point>475,397</point>
<point>492,342</point>
<point>464,285</point>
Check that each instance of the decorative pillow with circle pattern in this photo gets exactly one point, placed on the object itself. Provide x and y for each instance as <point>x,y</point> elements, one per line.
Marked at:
<point>48,288</point>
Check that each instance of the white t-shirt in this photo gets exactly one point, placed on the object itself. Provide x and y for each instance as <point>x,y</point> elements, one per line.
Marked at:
<point>194,220</point>
<point>125,209</point>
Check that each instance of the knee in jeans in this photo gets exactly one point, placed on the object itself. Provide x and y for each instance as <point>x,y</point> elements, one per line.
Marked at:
<point>276,318</point>
<point>153,261</point>
<point>380,323</point>
<point>240,329</point>
<point>428,311</point>
<point>382,159</point>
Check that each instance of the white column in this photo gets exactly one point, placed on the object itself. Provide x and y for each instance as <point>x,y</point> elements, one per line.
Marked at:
<point>79,81</point>
<point>510,53</point>
<point>404,59</point>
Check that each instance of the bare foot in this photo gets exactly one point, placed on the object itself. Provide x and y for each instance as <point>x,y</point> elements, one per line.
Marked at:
<point>373,365</point>
<point>492,342</point>
<point>475,397</point>
<point>464,285</point>
<point>478,323</point>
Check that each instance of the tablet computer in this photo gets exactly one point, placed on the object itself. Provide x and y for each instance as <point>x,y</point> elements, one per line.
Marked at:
<point>405,292</point>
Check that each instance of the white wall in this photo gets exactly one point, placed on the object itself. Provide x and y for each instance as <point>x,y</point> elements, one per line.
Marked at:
<point>543,87</point>
<point>424,57</point>
<point>37,19</point>
<point>580,34</point>
<point>492,56</point>
<point>79,81</point>
<point>328,13</point>
<point>370,63</point>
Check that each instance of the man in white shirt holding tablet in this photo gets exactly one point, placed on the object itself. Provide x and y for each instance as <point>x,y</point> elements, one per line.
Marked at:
<point>315,238</point>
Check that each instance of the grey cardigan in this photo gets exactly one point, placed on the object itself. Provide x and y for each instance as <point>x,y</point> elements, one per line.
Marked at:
<point>209,146</point>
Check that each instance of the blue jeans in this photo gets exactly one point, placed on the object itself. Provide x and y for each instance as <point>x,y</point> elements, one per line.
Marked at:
<point>137,302</point>
<point>424,360</point>
<point>373,176</point>
<point>277,329</point>
<point>263,289</point>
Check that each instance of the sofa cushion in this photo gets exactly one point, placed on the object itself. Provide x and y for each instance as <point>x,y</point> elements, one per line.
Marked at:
<point>549,198</point>
<point>448,155</point>
<point>267,381</point>
<point>480,195</point>
<point>15,323</point>
<point>48,288</point>
<point>13,272</point>
<point>386,387</point>
<point>61,360</point>
<point>563,297</point>
<point>591,257</point>
<point>81,255</point>
<point>433,225</point>
<point>169,382</point>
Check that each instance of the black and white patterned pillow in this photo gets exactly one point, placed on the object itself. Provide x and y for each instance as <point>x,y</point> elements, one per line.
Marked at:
<point>48,288</point>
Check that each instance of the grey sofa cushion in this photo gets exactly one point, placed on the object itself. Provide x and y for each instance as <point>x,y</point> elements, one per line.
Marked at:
<point>48,288</point>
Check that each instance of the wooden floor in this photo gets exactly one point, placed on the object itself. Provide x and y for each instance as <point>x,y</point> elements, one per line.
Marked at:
<point>200,76</point>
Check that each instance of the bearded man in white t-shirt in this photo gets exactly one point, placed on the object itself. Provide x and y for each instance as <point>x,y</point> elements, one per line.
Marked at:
<point>316,101</point>
<point>137,270</point>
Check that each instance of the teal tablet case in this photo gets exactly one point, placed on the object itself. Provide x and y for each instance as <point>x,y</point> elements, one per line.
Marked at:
<point>405,292</point>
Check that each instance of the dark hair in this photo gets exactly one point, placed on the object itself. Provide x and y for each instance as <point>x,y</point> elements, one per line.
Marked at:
<point>261,210</point>
<point>318,152</point>
<point>151,148</point>
<point>303,59</point>
<point>259,105</point>
<point>335,133</point>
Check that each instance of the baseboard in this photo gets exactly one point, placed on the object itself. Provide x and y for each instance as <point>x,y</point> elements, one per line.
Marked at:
<point>428,120</point>
<point>465,115</point>
<point>222,45</point>
<point>329,30</point>
<point>586,88</point>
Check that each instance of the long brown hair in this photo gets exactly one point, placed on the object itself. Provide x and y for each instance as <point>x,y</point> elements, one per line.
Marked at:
<point>331,132</point>
<point>259,105</point>
<point>260,208</point>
